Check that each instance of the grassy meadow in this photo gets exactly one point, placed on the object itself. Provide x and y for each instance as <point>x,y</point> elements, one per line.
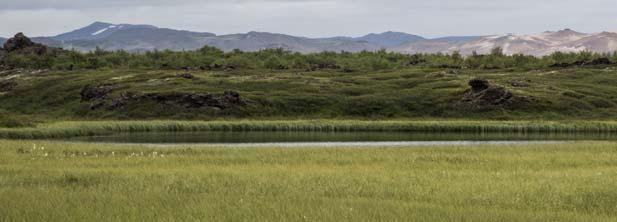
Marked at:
<point>62,94</point>
<point>56,181</point>
<point>403,93</point>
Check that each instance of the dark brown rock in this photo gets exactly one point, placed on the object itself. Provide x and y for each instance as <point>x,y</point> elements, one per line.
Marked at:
<point>478,85</point>
<point>90,92</point>
<point>22,44</point>
<point>97,104</point>
<point>197,100</point>
<point>124,99</point>
<point>233,98</point>
<point>483,93</point>
<point>7,85</point>
<point>187,100</point>
<point>186,76</point>
<point>600,61</point>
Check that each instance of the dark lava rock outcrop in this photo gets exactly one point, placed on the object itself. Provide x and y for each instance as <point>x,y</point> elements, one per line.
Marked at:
<point>91,92</point>
<point>478,85</point>
<point>483,93</point>
<point>7,85</point>
<point>186,100</point>
<point>99,97</point>
<point>600,61</point>
<point>227,100</point>
<point>22,44</point>
<point>186,76</point>
<point>195,100</point>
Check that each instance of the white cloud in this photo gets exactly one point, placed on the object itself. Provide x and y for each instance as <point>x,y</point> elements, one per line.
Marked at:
<point>39,22</point>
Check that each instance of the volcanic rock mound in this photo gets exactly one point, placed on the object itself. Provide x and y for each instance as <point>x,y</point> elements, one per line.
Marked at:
<point>90,92</point>
<point>478,85</point>
<point>186,76</point>
<point>98,96</point>
<point>195,100</point>
<point>22,44</point>
<point>600,61</point>
<point>483,93</point>
<point>7,86</point>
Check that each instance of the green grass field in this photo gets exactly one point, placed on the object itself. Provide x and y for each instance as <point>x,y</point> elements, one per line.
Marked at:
<point>409,93</point>
<point>64,94</point>
<point>55,181</point>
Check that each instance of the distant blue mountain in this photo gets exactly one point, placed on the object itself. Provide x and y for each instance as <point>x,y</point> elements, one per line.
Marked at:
<point>388,39</point>
<point>99,30</point>
<point>139,38</point>
<point>2,40</point>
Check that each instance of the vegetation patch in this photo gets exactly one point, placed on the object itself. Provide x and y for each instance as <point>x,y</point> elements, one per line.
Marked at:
<point>47,84</point>
<point>90,128</point>
<point>54,181</point>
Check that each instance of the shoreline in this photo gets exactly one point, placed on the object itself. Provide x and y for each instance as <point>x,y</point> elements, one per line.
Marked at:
<point>68,129</point>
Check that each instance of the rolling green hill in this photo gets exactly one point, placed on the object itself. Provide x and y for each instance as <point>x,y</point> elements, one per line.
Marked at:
<point>38,83</point>
<point>578,93</point>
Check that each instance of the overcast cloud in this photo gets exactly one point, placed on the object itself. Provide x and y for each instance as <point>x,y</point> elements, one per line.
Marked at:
<point>314,18</point>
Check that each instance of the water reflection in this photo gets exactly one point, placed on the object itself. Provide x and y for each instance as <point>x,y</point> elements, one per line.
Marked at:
<point>334,137</point>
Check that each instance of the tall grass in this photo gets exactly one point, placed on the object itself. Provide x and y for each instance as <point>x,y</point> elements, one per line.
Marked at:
<point>54,181</point>
<point>89,128</point>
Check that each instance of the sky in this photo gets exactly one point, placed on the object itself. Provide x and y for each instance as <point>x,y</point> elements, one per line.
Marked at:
<point>315,18</point>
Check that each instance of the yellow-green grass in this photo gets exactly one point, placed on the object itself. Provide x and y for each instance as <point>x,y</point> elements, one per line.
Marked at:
<point>93,182</point>
<point>88,128</point>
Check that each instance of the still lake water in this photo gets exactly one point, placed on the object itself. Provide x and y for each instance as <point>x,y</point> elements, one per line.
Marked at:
<point>291,139</point>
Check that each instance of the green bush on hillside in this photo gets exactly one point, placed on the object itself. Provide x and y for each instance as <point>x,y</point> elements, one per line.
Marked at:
<point>213,58</point>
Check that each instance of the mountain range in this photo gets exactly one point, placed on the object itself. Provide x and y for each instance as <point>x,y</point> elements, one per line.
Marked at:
<point>139,38</point>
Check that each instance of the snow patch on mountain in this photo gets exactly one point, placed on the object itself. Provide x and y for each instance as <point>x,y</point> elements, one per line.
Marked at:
<point>106,29</point>
<point>100,31</point>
